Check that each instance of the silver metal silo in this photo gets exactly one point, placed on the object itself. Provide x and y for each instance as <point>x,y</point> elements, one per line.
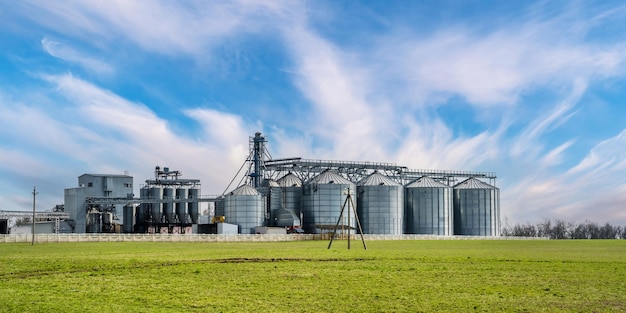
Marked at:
<point>168,207</point>
<point>291,195</point>
<point>476,208</point>
<point>129,212</point>
<point>380,203</point>
<point>244,206</point>
<point>192,206</point>
<point>428,208</point>
<point>181,194</point>
<point>322,199</point>
<point>156,193</point>
<point>143,210</point>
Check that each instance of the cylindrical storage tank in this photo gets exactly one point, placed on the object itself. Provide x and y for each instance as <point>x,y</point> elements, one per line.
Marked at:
<point>129,212</point>
<point>156,193</point>
<point>476,208</point>
<point>192,207</point>
<point>94,222</point>
<point>106,218</point>
<point>428,208</point>
<point>381,205</point>
<point>244,206</point>
<point>322,200</point>
<point>291,194</point>
<point>181,194</point>
<point>168,207</point>
<point>143,209</point>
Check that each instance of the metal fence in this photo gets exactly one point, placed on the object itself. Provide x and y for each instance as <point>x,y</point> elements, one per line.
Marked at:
<point>47,238</point>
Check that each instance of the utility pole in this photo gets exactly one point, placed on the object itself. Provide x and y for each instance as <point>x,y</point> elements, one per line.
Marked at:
<point>34,195</point>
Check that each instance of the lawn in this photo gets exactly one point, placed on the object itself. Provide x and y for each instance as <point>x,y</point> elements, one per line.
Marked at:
<point>390,276</point>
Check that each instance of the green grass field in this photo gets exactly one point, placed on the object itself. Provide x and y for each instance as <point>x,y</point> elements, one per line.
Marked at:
<point>391,276</point>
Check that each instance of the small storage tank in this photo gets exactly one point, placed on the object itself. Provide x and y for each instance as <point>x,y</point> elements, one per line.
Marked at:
<point>156,193</point>
<point>181,194</point>
<point>244,206</point>
<point>476,208</point>
<point>129,212</point>
<point>381,205</point>
<point>192,207</point>
<point>428,208</point>
<point>322,200</point>
<point>168,207</point>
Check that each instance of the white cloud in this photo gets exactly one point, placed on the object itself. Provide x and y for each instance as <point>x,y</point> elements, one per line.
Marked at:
<point>66,53</point>
<point>109,134</point>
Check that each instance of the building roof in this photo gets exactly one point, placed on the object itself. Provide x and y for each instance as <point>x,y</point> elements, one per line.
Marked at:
<point>473,183</point>
<point>330,177</point>
<point>106,175</point>
<point>426,182</point>
<point>377,179</point>
<point>290,180</point>
<point>244,190</point>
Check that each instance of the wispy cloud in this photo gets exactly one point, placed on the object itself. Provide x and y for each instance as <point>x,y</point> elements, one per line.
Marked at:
<point>61,51</point>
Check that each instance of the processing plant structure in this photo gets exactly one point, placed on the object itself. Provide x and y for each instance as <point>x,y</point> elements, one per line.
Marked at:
<point>297,195</point>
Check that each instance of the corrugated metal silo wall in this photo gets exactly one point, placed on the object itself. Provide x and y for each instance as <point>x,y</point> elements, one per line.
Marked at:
<point>292,199</point>
<point>321,205</point>
<point>428,210</point>
<point>381,209</point>
<point>247,211</point>
<point>477,212</point>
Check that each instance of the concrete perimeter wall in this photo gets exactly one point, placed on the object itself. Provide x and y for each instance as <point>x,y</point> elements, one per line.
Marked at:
<point>45,238</point>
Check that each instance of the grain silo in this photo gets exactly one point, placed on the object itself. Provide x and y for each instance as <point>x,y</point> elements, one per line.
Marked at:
<point>476,208</point>
<point>380,203</point>
<point>181,194</point>
<point>156,193</point>
<point>168,206</point>
<point>192,207</point>
<point>244,206</point>
<point>322,199</point>
<point>143,211</point>
<point>428,208</point>
<point>128,213</point>
<point>290,201</point>
<point>271,192</point>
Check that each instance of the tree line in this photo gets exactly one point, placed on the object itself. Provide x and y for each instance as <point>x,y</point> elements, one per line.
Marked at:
<point>559,229</point>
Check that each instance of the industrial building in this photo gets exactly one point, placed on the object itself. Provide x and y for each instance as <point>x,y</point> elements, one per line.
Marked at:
<point>389,198</point>
<point>298,195</point>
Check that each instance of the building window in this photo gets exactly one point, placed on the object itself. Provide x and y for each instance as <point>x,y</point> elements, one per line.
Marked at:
<point>127,185</point>
<point>89,184</point>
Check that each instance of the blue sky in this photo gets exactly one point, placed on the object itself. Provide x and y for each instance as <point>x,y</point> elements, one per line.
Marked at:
<point>532,90</point>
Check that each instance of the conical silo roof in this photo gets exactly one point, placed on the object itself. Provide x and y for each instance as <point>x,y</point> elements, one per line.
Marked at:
<point>473,183</point>
<point>244,190</point>
<point>377,179</point>
<point>330,177</point>
<point>290,180</point>
<point>426,182</point>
